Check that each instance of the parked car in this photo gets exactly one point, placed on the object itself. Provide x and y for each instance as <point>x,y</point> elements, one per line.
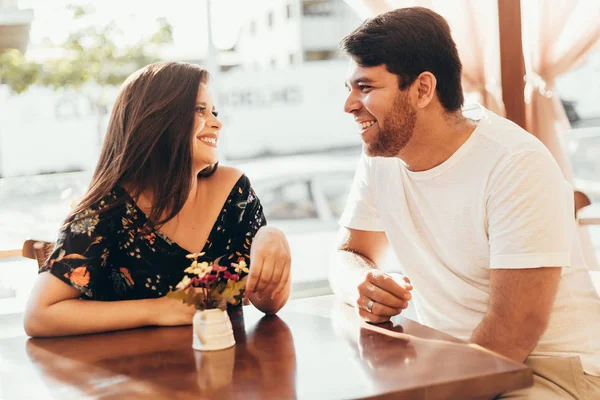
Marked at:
<point>304,196</point>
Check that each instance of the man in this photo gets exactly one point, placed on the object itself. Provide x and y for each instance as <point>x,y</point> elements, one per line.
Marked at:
<point>476,212</point>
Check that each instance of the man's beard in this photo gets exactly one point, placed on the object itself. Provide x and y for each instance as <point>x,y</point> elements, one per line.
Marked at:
<point>399,125</point>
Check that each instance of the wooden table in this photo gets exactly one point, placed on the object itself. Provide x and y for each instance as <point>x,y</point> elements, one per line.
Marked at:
<point>315,348</point>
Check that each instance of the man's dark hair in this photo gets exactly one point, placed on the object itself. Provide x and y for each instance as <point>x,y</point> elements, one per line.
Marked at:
<point>410,41</point>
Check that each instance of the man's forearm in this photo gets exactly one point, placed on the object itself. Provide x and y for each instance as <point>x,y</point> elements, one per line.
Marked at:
<point>510,337</point>
<point>347,271</point>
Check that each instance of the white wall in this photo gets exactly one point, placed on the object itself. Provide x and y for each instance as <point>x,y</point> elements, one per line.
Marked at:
<point>297,109</point>
<point>326,32</point>
<point>8,4</point>
<point>270,43</point>
<point>284,111</point>
<point>42,130</point>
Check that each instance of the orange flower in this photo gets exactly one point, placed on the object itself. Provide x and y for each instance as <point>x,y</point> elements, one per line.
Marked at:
<point>79,276</point>
<point>150,238</point>
<point>127,276</point>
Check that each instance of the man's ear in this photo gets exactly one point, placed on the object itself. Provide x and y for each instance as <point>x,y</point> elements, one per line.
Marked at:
<point>425,85</point>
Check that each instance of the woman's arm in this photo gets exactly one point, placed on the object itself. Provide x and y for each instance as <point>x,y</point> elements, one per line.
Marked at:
<point>270,305</point>
<point>269,280</point>
<point>264,249</point>
<point>54,309</point>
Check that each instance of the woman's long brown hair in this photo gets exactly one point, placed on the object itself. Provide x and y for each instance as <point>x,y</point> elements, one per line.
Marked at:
<point>148,143</point>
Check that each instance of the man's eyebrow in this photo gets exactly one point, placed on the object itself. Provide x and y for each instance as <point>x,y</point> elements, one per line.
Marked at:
<point>358,81</point>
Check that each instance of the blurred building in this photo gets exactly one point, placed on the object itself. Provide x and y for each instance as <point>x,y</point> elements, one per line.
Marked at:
<point>280,33</point>
<point>284,93</point>
<point>14,26</point>
<point>280,91</point>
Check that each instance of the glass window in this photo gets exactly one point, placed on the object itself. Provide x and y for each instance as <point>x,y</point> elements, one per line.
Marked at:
<point>578,91</point>
<point>50,139</point>
<point>318,8</point>
<point>320,55</point>
<point>289,201</point>
<point>335,189</point>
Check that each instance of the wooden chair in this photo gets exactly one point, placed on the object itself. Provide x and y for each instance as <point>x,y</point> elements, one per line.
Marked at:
<point>38,250</point>
<point>581,201</point>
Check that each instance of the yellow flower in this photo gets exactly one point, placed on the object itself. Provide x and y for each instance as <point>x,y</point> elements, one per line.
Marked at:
<point>184,282</point>
<point>194,255</point>
<point>204,265</point>
<point>241,267</point>
<point>191,268</point>
<point>199,269</point>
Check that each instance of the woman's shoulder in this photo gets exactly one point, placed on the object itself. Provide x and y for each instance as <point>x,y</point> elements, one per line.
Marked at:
<point>104,206</point>
<point>229,180</point>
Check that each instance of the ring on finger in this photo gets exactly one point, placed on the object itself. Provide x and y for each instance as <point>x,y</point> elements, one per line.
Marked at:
<point>370,306</point>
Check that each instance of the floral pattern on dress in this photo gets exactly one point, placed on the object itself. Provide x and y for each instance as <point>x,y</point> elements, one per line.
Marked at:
<point>85,223</point>
<point>111,252</point>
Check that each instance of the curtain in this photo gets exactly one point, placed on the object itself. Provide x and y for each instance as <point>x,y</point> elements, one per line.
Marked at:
<point>557,35</point>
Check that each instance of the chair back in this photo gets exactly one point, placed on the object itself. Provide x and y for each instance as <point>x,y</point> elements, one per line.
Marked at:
<point>37,250</point>
<point>581,200</point>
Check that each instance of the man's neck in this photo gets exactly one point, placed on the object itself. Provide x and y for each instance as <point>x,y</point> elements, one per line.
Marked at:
<point>436,140</point>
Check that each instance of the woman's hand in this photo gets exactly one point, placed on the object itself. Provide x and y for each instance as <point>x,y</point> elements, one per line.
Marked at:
<point>171,312</point>
<point>270,260</point>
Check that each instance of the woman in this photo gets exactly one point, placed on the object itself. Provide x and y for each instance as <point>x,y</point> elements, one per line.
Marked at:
<point>156,196</point>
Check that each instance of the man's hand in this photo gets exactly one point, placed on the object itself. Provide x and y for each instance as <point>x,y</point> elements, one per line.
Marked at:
<point>381,297</point>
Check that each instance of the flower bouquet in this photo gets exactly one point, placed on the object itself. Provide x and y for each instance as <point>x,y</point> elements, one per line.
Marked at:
<point>210,287</point>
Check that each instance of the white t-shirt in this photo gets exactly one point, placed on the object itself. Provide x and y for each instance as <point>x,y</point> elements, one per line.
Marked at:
<point>500,201</point>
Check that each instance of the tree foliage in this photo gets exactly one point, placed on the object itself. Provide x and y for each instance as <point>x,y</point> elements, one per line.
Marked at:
<point>88,55</point>
<point>17,72</point>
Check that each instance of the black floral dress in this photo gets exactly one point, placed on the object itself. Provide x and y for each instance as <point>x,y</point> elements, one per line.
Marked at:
<point>116,255</point>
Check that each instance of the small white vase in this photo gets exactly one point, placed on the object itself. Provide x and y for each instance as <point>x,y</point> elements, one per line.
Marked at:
<point>212,330</point>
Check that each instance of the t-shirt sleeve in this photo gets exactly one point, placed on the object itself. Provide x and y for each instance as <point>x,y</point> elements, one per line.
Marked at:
<point>529,213</point>
<point>81,250</point>
<point>361,210</point>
